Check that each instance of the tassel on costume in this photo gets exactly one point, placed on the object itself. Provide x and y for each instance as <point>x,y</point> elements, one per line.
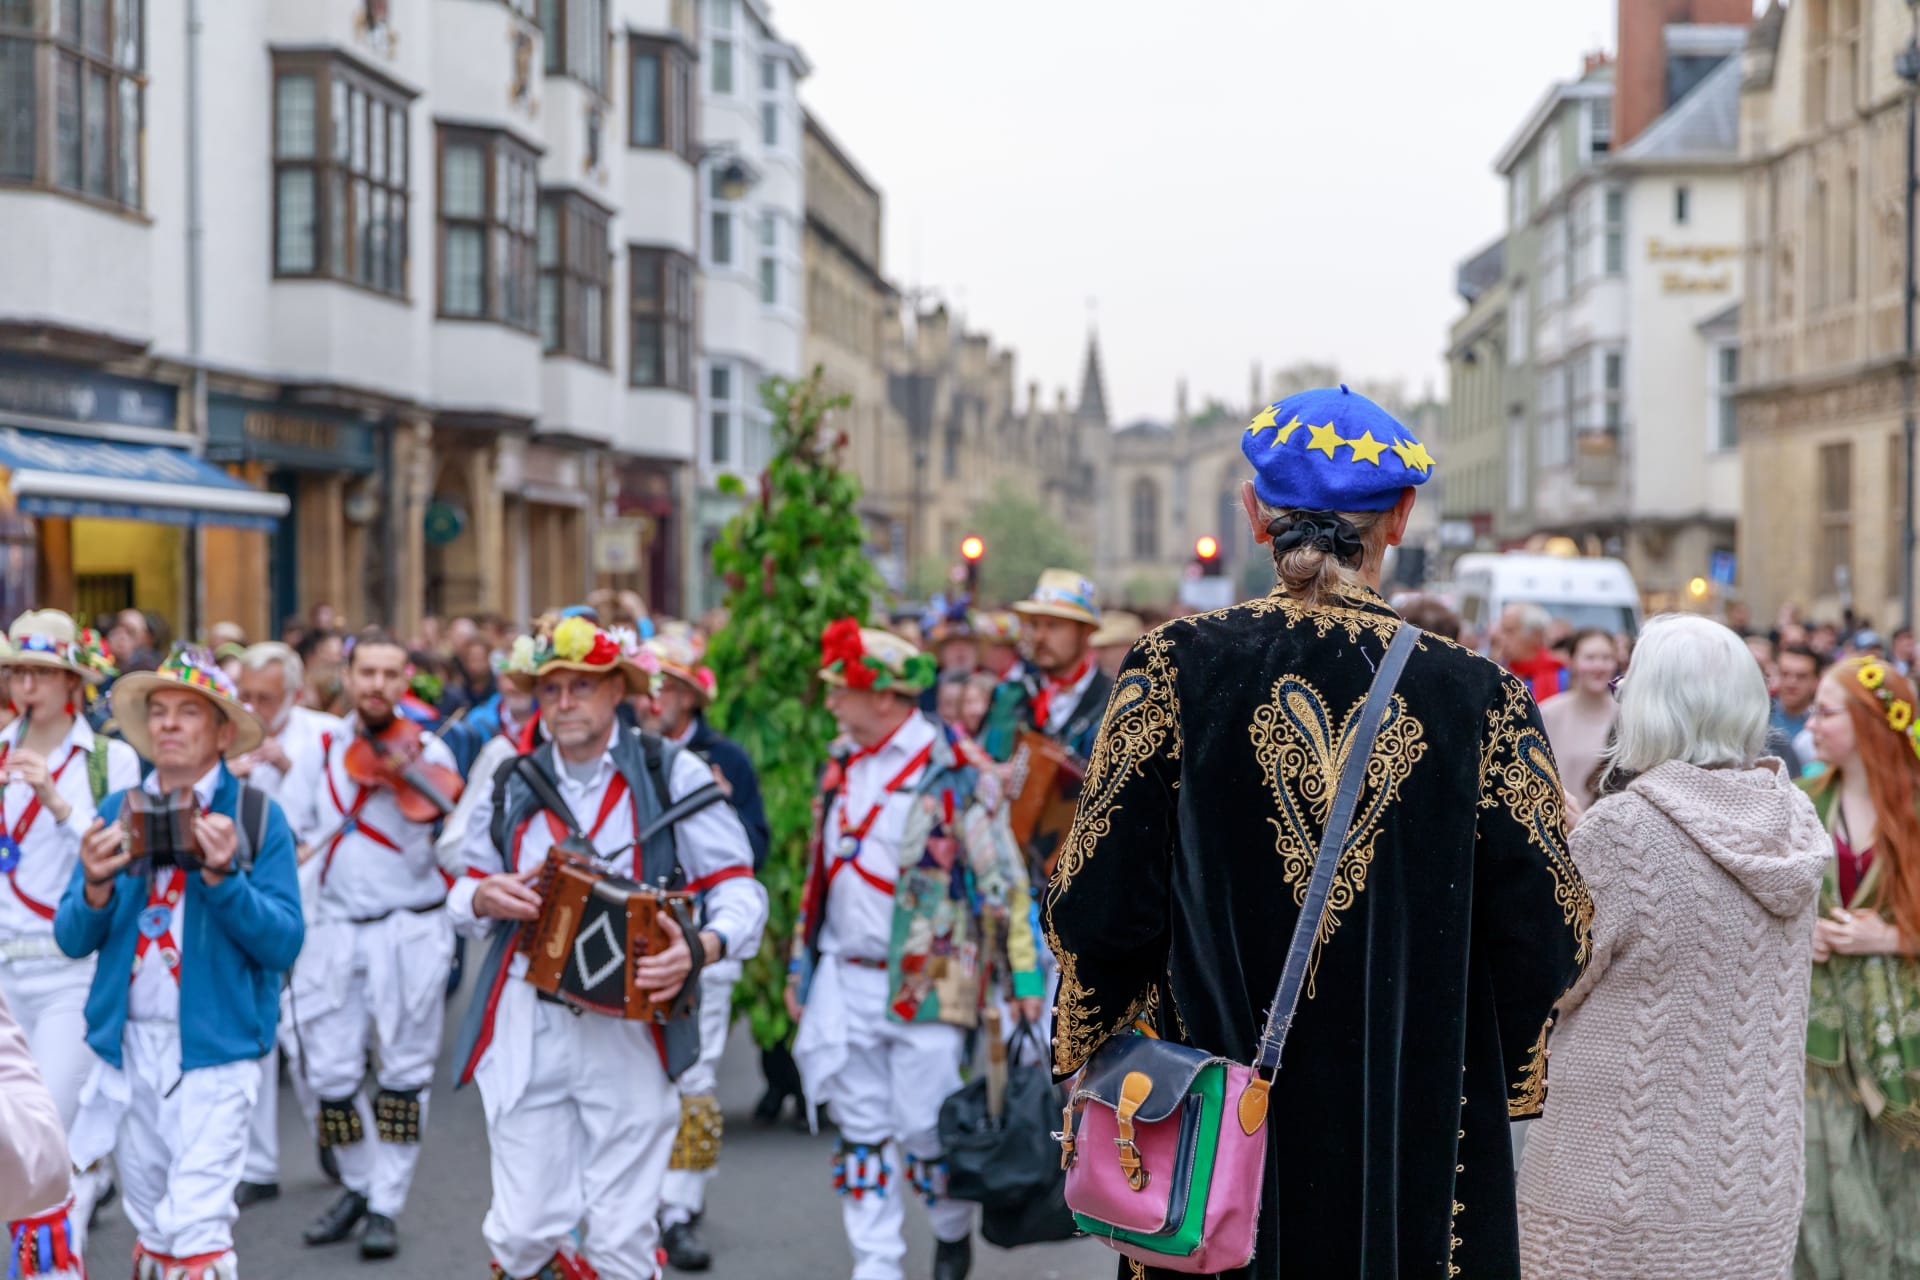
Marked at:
<point>41,1248</point>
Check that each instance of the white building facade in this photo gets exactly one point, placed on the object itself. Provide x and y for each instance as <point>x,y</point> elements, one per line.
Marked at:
<point>752,197</point>
<point>427,269</point>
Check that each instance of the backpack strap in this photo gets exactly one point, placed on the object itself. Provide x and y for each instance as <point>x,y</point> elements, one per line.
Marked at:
<point>252,825</point>
<point>655,750</point>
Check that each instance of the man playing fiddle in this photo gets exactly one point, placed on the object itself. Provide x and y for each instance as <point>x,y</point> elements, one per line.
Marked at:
<point>378,947</point>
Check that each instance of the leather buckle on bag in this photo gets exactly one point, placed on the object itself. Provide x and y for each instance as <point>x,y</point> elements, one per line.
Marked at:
<point>1133,1094</point>
<point>1065,1136</point>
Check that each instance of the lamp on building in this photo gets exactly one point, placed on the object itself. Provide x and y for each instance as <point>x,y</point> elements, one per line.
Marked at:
<point>1906,65</point>
<point>733,177</point>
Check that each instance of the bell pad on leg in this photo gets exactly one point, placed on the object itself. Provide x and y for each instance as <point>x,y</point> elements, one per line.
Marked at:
<point>859,1168</point>
<point>696,1148</point>
<point>340,1124</point>
<point>561,1266</point>
<point>396,1116</point>
<point>148,1265</point>
<point>929,1178</point>
<point>41,1248</point>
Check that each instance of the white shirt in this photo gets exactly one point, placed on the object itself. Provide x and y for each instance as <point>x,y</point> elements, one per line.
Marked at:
<point>366,877</point>
<point>859,918</point>
<point>50,851</point>
<point>155,993</point>
<point>710,841</point>
<point>1067,701</point>
<point>301,791</point>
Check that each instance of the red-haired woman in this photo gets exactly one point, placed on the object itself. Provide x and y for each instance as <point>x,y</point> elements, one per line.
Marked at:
<point>1862,1214</point>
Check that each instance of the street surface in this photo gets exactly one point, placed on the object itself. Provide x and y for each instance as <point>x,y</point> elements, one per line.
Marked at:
<point>771,1213</point>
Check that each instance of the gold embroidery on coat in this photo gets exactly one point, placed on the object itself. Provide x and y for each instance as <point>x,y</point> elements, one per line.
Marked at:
<point>1301,754</point>
<point>1529,1092</point>
<point>1517,773</point>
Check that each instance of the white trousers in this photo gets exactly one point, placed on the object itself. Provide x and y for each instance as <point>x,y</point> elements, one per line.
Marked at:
<point>584,1145</point>
<point>179,1140</point>
<point>263,1131</point>
<point>378,986</point>
<point>49,1000</point>
<point>684,1195</point>
<point>886,1094</point>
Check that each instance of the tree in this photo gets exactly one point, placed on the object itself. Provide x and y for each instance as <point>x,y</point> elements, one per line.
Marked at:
<point>1022,539</point>
<point>792,563</point>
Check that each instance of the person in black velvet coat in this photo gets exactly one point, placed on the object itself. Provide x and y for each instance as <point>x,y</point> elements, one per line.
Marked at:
<point>1456,917</point>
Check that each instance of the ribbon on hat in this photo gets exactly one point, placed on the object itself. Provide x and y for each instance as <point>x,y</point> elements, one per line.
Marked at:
<point>1327,531</point>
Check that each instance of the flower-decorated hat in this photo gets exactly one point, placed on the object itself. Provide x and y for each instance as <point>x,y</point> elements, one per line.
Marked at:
<point>856,657</point>
<point>1062,593</point>
<point>946,619</point>
<point>48,638</point>
<point>681,655</point>
<point>195,670</point>
<point>997,628</point>
<point>576,644</point>
<point>1332,450</point>
<point>1900,713</point>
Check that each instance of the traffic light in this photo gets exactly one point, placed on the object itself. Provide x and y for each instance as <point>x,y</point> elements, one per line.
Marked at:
<point>972,549</point>
<point>1206,554</point>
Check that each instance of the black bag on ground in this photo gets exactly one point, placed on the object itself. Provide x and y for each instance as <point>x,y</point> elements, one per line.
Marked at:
<point>1010,1161</point>
<point>1041,1220</point>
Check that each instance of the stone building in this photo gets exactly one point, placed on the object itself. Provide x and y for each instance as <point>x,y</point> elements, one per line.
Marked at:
<point>1472,481</point>
<point>1819,406</point>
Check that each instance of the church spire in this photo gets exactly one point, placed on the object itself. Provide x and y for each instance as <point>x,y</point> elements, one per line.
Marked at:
<point>1093,391</point>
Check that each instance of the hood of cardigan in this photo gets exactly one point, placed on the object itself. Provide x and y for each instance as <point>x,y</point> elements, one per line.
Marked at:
<point>1755,823</point>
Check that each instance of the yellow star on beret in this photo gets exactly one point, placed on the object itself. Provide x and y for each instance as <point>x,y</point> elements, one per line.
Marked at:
<point>1290,428</point>
<point>1326,439</point>
<point>1415,456</point>
<point>1367,449</point>
<point>1265,420</point>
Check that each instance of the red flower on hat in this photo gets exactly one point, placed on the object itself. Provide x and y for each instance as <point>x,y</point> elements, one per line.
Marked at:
<point>842,646</point>
<point>605,651</point>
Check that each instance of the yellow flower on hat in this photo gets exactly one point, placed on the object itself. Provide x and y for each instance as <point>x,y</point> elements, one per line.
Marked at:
<point>1899,715</point>
<point>573,639</point>
<point>1872,675</point>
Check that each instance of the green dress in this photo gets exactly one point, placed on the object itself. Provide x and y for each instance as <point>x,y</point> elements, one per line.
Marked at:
<point>1862,1217</point>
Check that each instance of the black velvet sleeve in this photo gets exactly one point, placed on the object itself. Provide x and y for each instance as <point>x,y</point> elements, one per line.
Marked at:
<point>1107,911</point>
<point>1531,910</point>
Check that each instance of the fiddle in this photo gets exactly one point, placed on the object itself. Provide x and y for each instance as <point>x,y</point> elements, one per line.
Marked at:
<point>391,759</point>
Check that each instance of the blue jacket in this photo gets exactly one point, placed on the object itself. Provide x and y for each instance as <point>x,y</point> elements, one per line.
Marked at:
<point>243,932</point>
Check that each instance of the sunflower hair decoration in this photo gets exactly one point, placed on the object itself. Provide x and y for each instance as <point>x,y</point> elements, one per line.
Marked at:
<point>1872,676</point>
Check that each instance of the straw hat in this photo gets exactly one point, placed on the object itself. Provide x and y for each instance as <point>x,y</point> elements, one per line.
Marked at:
<point>1062,593</point>
<point>1119,628</point>
<point>857,657</point>
<point>48,638</point>
<point>195,671</point>
<point>576,644</point>
<point>680,653</point>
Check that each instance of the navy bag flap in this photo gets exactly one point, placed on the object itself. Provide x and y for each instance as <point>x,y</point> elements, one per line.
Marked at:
<point>1171,1068</point>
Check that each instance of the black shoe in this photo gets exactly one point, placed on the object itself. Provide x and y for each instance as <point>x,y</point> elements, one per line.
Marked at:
<point>338,1222</point>
<point>254,1192</point>
<point>381,1239</point>
<point>952,1259</point>
<point>684,1250</point>
<point>766,1112</point>
<point>329,1166</point>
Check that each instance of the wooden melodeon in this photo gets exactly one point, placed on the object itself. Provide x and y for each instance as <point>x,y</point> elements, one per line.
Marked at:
<point>594,927</point>
<point>1045,782</point>
<point>160,828</point>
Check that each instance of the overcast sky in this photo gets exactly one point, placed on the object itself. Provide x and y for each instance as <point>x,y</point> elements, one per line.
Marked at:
<point>1231,180</point>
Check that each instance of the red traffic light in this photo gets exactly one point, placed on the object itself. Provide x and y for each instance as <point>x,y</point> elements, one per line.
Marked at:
<point>972,548</point>
<point>1207,547</point>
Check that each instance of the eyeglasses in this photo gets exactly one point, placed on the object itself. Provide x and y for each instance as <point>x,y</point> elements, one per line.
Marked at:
<point>1613,685</point>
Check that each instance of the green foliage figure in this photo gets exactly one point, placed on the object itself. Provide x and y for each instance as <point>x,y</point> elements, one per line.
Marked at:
<point>793,562</point>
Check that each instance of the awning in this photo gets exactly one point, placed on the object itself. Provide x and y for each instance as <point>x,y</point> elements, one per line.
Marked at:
<point>59,475</point>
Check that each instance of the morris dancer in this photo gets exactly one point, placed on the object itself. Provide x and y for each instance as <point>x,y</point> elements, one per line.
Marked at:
<point>54,781</point>
<point>581,1108</point>
<point>887,972</point>
<point>684,692</point>
<point>375,965</point>
<point>173,1093</point>
<point>286,766</point>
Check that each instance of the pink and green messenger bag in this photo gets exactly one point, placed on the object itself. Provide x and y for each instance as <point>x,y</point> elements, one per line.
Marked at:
<point>1165,1146</point>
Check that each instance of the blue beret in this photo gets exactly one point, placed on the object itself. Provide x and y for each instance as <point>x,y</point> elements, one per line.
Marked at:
<point>1332,450</point>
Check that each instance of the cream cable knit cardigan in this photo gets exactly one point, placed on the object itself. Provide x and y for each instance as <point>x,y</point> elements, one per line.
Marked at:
<point>1671,1143</point>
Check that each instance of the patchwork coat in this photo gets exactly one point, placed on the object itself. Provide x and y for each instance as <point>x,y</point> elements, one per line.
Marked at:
<point>1456,919</point>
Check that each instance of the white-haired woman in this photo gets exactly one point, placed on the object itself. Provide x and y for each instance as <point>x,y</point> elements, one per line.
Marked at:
<point>1671,1144</point>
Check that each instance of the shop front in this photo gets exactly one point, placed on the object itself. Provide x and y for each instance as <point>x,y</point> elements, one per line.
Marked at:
<point>102,498</point>
<point>326,465</point>
<point>639,548</point>
<point>549,507</point>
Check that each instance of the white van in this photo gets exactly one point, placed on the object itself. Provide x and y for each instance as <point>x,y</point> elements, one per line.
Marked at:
<point>1586,592</point>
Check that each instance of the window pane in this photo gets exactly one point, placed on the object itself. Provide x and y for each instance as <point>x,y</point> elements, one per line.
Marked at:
<point>644,281</point>
<point>769,124</point>
<point>294,120</point>
<point>722,66</point>
<point>397,147</point>
<point>66,123</point>
<point>18,13</point>
<point>648,366</point>
<point>357,138</point>
<point>679,101</point>
<point>362,232</point>
<point>463,181</point>
<point>769,281</point>
<point>676,359</point>
<point>294,230</point>
<point>18,100</point>
<point>549,236</point>
<point>769,74</point>
<point>720,14</point>
<point>377,142</point>
<point>549,313</point>
<point>1729,366</point>
<point>461,293</point>
<point>718,426</point>
<point>397,243</point>
<point>550,33</point>
<point>97,157</point>
<point>130,125</point>
<point>338,115</point>
<point>593,323</point>
<point>501,269</point>
<point>66,20</point>
<point>337,223</point>
<point>646,131</point>
<point>94,27</point>
<point>722,239</point>
<point>720,383</point>
<point>126,34</point>
<point>770,230</point>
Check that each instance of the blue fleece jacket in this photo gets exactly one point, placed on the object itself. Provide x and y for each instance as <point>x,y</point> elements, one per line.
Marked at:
<point>243,932</point>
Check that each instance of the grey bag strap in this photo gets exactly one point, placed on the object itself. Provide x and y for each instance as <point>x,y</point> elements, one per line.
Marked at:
<point>1314,910</point>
